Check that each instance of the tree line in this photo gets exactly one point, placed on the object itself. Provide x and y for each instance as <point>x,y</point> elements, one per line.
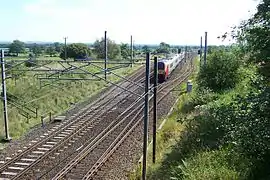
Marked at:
<point>82,51</point>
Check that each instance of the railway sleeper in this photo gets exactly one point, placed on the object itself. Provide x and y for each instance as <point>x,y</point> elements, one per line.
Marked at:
<point>73,176</point>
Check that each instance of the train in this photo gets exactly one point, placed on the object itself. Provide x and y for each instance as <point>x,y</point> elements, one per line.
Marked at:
<point>167,65</point>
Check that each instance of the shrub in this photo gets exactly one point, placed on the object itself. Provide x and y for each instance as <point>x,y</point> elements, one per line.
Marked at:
<point>242,124</point>
<point>199,96</point>
<point>249,131</point>
<point>220,72</point>
<point>76,51</point>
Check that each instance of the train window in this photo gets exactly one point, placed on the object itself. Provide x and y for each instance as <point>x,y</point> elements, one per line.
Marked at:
<point>160,65</point>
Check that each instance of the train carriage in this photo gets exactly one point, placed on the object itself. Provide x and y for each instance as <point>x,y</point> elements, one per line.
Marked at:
<point>166,66</point>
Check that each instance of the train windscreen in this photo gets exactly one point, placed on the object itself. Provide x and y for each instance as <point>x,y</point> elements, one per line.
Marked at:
<point>160,65</point>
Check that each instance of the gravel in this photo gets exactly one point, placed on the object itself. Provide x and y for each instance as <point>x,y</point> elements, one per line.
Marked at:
<point>124,160</point>
<point>34,133</point>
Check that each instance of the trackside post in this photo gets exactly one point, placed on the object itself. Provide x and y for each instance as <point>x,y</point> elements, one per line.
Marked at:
<point>201,52</point>
<point>205,48</point>
<point>106,55</point>
<point>131,51</point>
<point>146,109</point>
<point>4,95</point>
<point>155,108</point>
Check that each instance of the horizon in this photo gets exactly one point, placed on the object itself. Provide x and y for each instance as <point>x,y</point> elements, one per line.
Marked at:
<point>88,43</point>
<point>149,22</point>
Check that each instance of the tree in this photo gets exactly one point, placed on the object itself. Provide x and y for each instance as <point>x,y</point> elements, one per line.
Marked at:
<point>163,48</point>
<point>36,49</point>
<point>145,49</point>
<point>125,51</point>
<point>76,51</point>
<point>113,49</point>
<point>51,51</point>
<point>254,34</point>
<point>17,47</point>
<point>58,47</point>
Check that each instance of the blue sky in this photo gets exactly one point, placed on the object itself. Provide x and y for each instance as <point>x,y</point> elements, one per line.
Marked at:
<point>149,21</point>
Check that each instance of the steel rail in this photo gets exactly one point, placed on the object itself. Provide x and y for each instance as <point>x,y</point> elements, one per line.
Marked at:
<point>77,118</point>
<point>90,146</point>
<point>117,142</point>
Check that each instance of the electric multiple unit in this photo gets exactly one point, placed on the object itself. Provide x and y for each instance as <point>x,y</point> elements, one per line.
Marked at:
<point>167,65</point>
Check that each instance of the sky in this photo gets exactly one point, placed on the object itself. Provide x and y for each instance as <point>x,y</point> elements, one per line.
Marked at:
<point>180,22</point>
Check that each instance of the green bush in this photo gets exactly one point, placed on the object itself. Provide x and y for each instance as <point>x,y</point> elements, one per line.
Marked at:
<point>249,129</point>
<point>242,125</point>
<point>220,72</point>
<point>197,98</point>
<point>76,51</point>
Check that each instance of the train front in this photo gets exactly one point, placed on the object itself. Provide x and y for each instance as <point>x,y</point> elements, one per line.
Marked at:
<point>161,72</point>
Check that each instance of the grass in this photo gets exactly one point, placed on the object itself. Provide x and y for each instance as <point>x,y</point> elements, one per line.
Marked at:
<point>55,99</point>
<point>26,56</point>
<point>213,165</point>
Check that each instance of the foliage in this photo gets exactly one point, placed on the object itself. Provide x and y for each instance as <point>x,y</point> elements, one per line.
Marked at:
<point>212,165</point>
<point>58,47</point>
<point>36,49</point>
<point>76,51</point>
<point>17,47</point>
<point>199,97</point>
<point>247,121</point>
<point>145,49</point>
<point>51,51</point>
<point>125,51</point>
<point>226,136</point>
<point>254,34</point>
<point>220,71</point>
<point>113,49</point>
<point>239,123</point>
<point>163,48</point>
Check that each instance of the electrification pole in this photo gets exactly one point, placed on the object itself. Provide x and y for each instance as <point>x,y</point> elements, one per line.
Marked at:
<point>185,54</point>
<point>205,48</point>
<point>131,50</point>
<point>106,55</point>
<point>146,109</point>
<point>155,108</point>
<point>4,95</point>
<point>201,52</point>
<point>65,48</point>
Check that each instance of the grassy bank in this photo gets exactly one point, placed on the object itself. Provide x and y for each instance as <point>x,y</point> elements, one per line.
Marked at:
<point>55,99</point>
<point>221,129</point>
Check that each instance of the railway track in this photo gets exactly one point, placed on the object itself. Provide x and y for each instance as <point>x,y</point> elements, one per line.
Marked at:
<point>47,143</point>
<point>95,154</point>
<point>87,132</point>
